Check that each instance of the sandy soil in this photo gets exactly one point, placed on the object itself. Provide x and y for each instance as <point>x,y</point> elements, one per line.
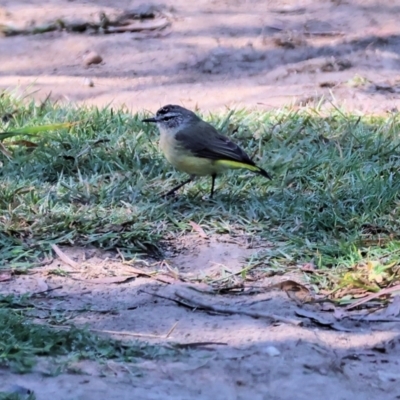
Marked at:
<point>214,54</point>
<point>217,53</point>
<point>246,357</point>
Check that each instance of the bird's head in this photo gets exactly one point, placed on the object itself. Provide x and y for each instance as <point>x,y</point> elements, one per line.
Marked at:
<point>172,117</point>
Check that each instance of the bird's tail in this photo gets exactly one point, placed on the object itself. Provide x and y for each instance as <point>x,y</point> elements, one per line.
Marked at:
<point>247,165</point>
<point>257,170</point>
<point>262,172</point>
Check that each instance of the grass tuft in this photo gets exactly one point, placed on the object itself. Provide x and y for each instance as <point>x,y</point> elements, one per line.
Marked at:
<point>334,192</point>
<point>22,341</point>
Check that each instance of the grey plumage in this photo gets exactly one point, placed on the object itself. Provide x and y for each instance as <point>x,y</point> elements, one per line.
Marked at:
<point>194,146</point>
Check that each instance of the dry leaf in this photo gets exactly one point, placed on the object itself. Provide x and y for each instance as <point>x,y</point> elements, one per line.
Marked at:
<point>164,278</point>
<point>198,229</point>
<point>295,291</point>
<point>353,292</point>
<point>5,276</point>
<point>376,274</point>
<point>25,143</point>
<point>5,151</point>
<point>308,267</point>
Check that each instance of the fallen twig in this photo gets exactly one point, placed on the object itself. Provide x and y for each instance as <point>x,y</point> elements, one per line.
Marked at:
<point>242,271</point>
<point>181,303</point>
<point>46,291</point>
<point>229,310</point>
<point>138,26</point>
<point>152,275</point>
<point>171,270</point>
<point>323,33</point>
<point>198,344</point>
<point>362,318</point>
<point>171,330</point>
<point>320,320</point>
<point>125,333</point>
<point>189,302</point>
<point>63,257</point>
<point>107,280</point>
<point>373,296</point>
<point>123,23</point>
<point>122,333</point>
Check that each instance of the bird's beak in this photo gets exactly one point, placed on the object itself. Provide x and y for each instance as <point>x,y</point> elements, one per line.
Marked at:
<point>150,120</point>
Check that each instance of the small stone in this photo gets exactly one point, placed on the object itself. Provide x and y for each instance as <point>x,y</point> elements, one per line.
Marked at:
<point>88,82</point>
<point>92,58</point>
<point>249,54</point>
<point>19,390</point>
<point>388,376</point>
<point>272,351</point>
<point>208,66</point>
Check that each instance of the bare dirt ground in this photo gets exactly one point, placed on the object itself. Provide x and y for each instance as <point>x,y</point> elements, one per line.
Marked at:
<point>214,54</point>
<point>226,356</point>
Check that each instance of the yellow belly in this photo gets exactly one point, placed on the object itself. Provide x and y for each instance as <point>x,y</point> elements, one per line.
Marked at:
<point>195,165</point>
<point>184,161</point>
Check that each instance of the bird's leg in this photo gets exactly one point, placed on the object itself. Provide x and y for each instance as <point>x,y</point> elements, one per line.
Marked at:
<point>173,190</point>
<point>213,176</point>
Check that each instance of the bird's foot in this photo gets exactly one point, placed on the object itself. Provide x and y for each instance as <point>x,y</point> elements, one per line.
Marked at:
<point>209,199</point>
<point>169,195</point>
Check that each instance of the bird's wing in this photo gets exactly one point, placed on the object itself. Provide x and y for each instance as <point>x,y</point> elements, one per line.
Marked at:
<point>209,143</point>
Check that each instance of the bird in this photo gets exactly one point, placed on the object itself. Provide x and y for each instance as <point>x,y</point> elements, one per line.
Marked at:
<point>195,147</point>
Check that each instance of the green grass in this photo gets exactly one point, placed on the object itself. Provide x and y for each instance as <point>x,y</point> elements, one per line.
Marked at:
<point>335,186</point>
<point>22,341</point>
<point>333,201</point>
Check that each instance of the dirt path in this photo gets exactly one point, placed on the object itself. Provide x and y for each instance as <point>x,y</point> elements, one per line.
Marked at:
<point>215,53</point>
<point>245,357</point>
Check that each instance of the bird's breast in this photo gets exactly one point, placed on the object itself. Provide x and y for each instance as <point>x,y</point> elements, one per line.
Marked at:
<point>168,146</point>
<point>184,160</point>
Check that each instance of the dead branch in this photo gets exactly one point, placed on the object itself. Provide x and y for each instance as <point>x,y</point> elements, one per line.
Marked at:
<point>200,304</point>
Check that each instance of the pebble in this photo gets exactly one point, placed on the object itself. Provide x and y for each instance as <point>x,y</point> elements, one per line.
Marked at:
<point>272,351</point>
<point>21,391</point>
<point>92,58</point>
<point>88,82</point>
<point>385,377</point>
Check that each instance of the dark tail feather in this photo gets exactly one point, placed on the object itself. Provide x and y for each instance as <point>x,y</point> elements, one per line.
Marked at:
<point>264,173</point>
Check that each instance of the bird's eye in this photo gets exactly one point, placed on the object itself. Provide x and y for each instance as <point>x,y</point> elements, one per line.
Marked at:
<point>167,117</point>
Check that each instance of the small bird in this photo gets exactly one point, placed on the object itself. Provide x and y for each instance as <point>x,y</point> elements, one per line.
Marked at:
<point>195,147</point>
